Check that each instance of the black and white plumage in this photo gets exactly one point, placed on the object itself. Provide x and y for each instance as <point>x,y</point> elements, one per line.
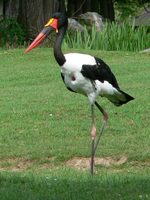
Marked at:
<point>90,76</point>
<point>83,74</point>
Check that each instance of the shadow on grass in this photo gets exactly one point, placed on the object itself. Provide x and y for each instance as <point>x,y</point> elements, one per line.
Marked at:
<point>73,186</point>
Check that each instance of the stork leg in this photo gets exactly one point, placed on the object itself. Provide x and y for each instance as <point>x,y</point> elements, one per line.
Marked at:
<point>93,136</point>
<point>93,132</point>
<point>105,117</point>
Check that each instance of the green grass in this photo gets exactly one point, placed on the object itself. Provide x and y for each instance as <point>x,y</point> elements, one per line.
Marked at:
<point>42,125</point>
<point>66,185</point>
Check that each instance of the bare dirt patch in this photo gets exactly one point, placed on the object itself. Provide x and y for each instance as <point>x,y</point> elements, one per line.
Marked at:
<point>84,163</point>
<point>20,164</point>
<point>15,164</point>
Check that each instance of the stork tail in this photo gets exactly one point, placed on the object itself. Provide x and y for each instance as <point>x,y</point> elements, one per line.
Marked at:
<point>120,98</point>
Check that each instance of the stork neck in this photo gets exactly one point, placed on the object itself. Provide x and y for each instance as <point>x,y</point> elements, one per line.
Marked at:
<point>60,58</point>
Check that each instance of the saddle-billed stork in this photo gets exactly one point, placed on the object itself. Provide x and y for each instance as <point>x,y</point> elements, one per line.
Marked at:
<point>84,74</point>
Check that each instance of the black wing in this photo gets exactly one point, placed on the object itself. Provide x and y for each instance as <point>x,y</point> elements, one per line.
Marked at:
<point>100,71</point>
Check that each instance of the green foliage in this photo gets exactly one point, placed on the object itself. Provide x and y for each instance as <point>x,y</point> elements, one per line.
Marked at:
<point>11,33</point>
<point>122,37</point>
<point>125,9</point>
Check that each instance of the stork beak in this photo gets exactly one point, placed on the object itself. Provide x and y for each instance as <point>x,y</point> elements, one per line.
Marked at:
<point>51,26</point>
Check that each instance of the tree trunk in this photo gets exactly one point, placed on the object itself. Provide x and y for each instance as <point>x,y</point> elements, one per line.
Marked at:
<point>1,8</point>
<point>10,8</point>
<point>51,7</point>
<point>95,6</point>
<point>31,16</point>
<point>34,14</point>
<point>77,7</point>
<point>107,9</point>
<point>70,7</point>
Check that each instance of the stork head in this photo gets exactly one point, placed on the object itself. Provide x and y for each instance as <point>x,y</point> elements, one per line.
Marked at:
<point>55,23</point>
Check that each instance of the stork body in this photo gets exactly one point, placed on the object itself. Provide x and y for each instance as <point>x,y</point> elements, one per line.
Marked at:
<point>90,76</point>
<point>84,74</point>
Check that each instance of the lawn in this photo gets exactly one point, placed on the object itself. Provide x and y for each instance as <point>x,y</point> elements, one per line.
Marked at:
<point>43,126</point>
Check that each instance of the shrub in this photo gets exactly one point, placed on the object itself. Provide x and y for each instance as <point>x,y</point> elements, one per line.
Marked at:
<point>11,33</point>
<point>122,37</point>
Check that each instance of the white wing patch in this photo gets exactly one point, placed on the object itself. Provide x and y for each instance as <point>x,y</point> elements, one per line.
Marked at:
<point>105,88</point>
<point>74,61</point>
